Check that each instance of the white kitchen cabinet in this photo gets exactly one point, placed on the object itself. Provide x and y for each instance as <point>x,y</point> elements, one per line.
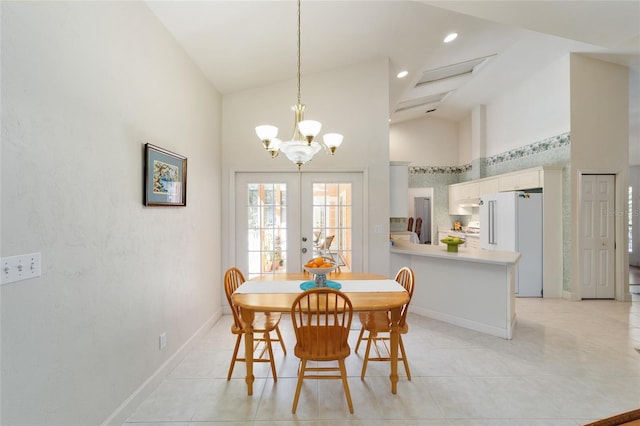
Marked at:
<point>518,181</point>
<point>462,196</point>
<point>399,189</point>
<point>473,241</point>
<point>549,179</point>
<point>455,195</point>
<point>488,186</point>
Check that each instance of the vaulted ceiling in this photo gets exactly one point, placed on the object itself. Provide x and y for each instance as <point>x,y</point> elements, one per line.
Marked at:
<point>246,44</point>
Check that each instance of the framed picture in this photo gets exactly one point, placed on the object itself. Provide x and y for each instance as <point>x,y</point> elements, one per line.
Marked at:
<point>165,177</point>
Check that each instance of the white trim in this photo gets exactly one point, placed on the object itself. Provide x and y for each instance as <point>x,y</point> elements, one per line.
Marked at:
<point>465,323</point>
<point>127,408</point>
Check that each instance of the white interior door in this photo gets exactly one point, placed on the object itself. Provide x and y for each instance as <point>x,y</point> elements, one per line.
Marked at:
<point>282,219</point>
<point>597,240</point>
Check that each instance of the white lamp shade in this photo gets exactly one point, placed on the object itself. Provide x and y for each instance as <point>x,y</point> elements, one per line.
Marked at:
<point>309,127</point>
<point>299,152</point>
<point>274,145</point>
<point>266,132</point>
<point>332,140</point>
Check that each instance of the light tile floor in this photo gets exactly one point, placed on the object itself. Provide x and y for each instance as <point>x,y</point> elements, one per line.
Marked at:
<point>569,363</point>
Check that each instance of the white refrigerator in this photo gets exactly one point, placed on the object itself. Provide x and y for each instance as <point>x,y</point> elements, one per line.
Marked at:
<point>512,221</point>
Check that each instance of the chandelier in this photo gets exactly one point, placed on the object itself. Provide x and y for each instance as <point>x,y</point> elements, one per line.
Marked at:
<point>301,147</point>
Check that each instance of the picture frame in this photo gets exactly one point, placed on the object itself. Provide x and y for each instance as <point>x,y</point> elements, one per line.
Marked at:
<point>165,177</point>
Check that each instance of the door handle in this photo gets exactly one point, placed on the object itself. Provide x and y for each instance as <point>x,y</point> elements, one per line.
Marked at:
<point>304,249</point>
<point>304,239</point>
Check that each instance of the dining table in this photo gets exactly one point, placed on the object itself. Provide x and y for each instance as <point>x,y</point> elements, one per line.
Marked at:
<point>277,292</point>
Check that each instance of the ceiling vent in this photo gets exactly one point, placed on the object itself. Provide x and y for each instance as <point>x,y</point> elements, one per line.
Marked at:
<point>451,71</point>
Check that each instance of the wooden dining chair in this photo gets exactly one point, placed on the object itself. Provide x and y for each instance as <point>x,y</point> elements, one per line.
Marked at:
<point>418,230</point>
<point>410,224</point>
<point>263,324</point>
<point>321,319</point>
<point>377,324</point>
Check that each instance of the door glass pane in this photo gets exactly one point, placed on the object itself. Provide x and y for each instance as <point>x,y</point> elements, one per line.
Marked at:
<point>332,222</point>
<point>267,229</point>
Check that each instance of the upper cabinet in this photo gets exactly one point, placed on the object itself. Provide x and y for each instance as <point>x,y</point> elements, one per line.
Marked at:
<point>527,179</point>
<point>399,189</point>
<point>463,197</point>
<point>466,195</point>
<point>489,186</point>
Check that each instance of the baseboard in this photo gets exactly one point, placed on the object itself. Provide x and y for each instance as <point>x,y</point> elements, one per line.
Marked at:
<point>465,323</point>
<point>139,395</point>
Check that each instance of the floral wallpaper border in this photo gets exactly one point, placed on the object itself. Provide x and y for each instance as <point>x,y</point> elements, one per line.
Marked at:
<point>553,142</point>
<point>535,148</point>
<point>439,170</point>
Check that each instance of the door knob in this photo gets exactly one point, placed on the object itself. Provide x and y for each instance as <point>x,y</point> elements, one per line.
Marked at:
<point>304,239</point>
<point>304,250</point>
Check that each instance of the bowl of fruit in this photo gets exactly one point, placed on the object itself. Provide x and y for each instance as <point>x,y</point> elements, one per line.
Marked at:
<point>320,267</point>
<point>452,243</point>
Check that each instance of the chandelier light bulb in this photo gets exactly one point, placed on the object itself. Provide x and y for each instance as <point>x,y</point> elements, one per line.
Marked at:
<point>332,141</point>
<point>309,129</point>
<point>266,133</point>
<point>274,147</point>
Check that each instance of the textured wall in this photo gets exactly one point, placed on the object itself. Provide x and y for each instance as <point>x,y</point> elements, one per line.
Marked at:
<point>84,86</point>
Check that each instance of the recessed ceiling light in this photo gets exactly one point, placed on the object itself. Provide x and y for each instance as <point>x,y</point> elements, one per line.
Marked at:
<point>450,37</point>
<point>402,74</point>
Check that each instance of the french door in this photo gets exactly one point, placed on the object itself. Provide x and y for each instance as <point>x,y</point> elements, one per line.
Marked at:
<point>284,219</point>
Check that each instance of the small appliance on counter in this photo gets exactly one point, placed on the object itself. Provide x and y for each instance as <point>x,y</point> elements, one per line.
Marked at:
<point>473,227</point>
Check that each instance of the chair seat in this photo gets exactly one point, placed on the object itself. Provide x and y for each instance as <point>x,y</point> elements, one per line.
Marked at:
<point>327,345</point>
<point>379,322</point>
<point>262,322</point>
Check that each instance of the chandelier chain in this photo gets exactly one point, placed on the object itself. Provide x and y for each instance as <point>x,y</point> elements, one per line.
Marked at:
<point>301,148</point>
<point>298,51</point>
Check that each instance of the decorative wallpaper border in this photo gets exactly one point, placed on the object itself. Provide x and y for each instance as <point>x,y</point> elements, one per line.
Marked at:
<point>553,142</point>
<point>535,148</point>
<point>439,170</point>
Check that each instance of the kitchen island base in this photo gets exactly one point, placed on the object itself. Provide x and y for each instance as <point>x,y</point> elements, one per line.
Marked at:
<point>472,288</point>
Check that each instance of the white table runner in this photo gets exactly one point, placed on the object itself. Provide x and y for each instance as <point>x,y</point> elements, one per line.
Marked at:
<point>348,286</point>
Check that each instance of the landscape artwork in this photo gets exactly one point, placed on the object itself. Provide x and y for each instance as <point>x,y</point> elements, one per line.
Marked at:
<point>165,177</point>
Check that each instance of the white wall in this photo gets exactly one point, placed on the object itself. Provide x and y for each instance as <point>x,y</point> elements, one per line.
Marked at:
<point>425,141</point>
<point>542,109</point>
<point>465,146</point>
<point>84,86</point>
<point>634,117</point>
<point>353,101</point>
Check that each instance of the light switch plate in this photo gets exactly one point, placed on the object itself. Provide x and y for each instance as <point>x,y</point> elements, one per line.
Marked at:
<point>22,267</point>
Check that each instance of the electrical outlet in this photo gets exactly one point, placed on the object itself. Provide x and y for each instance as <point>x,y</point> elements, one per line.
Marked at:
<point>22,267</point>
<point>163,341</point>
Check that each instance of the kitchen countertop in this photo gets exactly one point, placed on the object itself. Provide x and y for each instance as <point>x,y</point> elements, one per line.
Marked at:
<point>463,254</point>
<point>461,234</point>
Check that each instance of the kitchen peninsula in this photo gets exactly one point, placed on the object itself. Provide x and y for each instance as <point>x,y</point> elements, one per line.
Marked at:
<point>472,288</point>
